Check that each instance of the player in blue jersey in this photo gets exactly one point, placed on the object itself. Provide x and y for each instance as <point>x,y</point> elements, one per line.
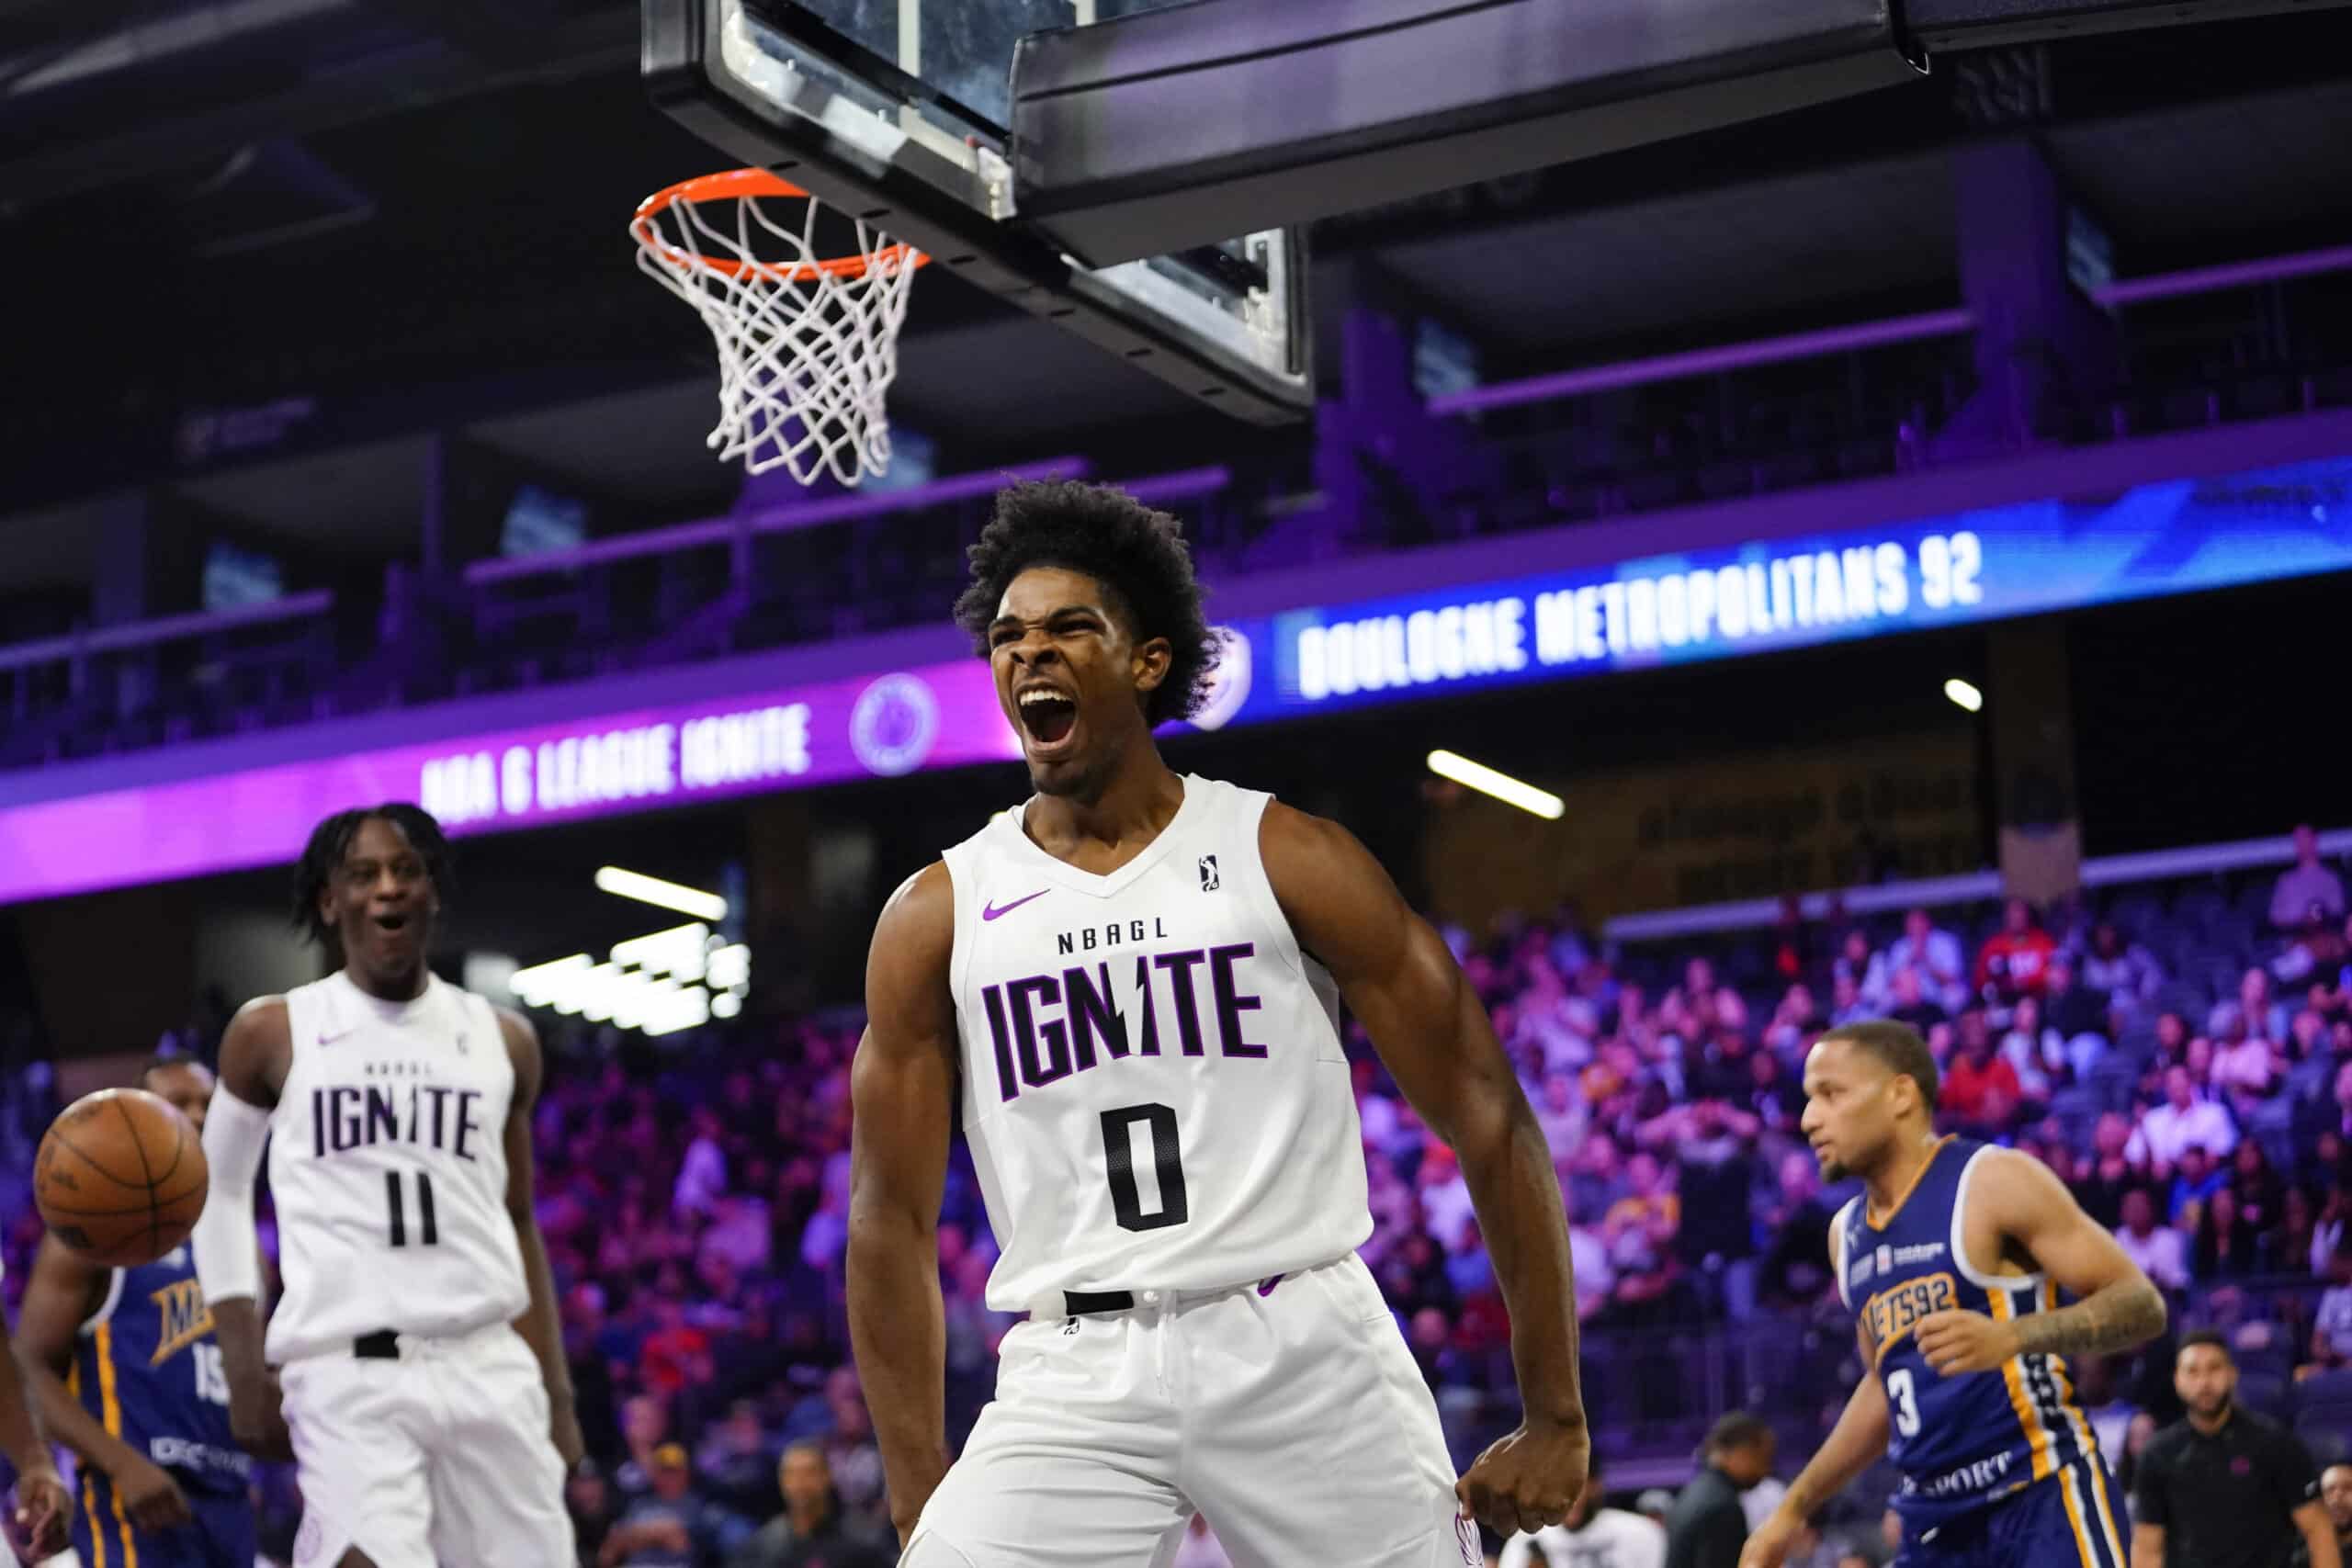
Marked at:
<point>1953,1258</point>
<point>128,1377</point>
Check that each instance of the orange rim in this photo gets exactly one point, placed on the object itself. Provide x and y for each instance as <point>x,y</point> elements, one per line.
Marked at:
<point>736,185</point>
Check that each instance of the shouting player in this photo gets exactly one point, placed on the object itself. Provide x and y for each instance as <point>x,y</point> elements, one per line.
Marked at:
<point>1136,977</point>
<point>1953,1258</point>
<point>128,1377</point>
<point>425,1385</point>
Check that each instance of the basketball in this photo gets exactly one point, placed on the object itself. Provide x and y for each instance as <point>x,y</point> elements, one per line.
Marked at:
<point>120,1177</point>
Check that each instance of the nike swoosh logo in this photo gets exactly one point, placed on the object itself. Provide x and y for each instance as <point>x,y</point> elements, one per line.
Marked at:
<point>331,1039</point>
<point>992,911</point>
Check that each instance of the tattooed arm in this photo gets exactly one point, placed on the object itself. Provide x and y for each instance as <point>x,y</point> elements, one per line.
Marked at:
<point>2036,1215</point>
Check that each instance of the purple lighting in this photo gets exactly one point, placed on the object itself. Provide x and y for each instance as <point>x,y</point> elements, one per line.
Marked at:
<point>935,716</point>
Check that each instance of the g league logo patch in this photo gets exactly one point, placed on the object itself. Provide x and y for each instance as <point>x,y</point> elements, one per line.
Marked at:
<point>1209,882</point>
<point>1885,1260</point>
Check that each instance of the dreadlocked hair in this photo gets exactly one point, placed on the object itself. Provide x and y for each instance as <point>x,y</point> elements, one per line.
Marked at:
<point>1138,553</point>
<point>330,839</point>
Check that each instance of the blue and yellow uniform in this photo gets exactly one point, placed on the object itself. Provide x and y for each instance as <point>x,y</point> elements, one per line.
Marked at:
<point>1998,1467</point>
<point>147,1367</point>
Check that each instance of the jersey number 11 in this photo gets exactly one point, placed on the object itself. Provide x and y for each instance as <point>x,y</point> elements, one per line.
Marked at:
<point>428,1229</point>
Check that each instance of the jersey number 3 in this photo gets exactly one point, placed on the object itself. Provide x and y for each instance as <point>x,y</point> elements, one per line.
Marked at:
<point>1119,1129</point>
<point>428,1228</point>
<point>1906,1399</point>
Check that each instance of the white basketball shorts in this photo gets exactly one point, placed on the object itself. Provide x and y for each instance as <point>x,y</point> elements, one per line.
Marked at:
<point>1293,1417</point>
<point>440,1457</point>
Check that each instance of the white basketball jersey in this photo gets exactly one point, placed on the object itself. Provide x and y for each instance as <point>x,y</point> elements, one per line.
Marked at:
<point>1154,1087</point>
<point>387,1169</point>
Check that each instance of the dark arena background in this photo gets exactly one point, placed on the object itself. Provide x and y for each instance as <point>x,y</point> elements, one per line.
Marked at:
<point>1734,536</point>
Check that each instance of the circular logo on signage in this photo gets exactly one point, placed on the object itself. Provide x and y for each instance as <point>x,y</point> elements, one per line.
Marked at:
<point>1228,682</point>
<point>894,724</point>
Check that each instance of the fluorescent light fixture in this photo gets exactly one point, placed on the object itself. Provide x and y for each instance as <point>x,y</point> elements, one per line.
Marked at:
<point>1966,695</point>
<point>1502,786</point>
<point>663,894</point>
<point>659,983</point>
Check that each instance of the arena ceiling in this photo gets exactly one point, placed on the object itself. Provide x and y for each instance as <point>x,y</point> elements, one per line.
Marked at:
<point>412,210</point>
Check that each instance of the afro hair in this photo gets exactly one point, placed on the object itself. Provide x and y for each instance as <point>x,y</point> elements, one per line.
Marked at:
<point>1139,554</point>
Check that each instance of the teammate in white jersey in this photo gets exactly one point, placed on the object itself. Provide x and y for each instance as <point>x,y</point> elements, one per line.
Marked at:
<point>424,1389</point>
<point>1135,976</point>
<point>1590,1537</point>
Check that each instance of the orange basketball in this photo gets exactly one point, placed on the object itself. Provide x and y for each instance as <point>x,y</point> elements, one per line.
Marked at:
<point>120,1177</point>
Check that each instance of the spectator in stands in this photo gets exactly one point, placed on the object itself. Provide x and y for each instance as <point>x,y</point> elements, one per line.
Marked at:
<point>702,1175</point>
<point>850,1452</point>
<point>2035,1052</point>
<point>1796,1270</point>
<point>2287,1245</point>
<point>645,1426</point>
<point>1980,1092</point>
<point>1707,1526</point>
<point>1912,1006</point>
<point>1561,1114</point>
<point>2015,960</point>
<point>1445,1198</point>
<point>2225,1241</point>
<point>736,1463</point>
<point>2082,1019</point>
<point>2331,1341</point>
<point>589,1500</point>
<point>1596,1276</point>
<point>1639,1231</point>
<point>2121,975</point>
<point>1773,1098</point>
<point>1714,1147</point>
<point>2157,1250</point>
<point>1869,972</point>
<point>1936,957</point>
<point>669,1526</point>
<point>811,1532</point>
<point>2307,890</point>
<point>1846,1003</point>
<point>2265,1016</point>
<point>2247,1068</point>
<point>1417,1279</point>
<point>2256,1185</point>
<point>2195,1180</point>
<point>2106,1175</point>
<point>2186,1117</point>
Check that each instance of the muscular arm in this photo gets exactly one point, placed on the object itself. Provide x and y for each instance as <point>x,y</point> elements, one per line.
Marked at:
<point>902,1100</point>
<point>21,1436</point>
<point>64,1290</point>
<point>537,1325</point>
<point>2118,1307</point>
<point>1434,1037</point>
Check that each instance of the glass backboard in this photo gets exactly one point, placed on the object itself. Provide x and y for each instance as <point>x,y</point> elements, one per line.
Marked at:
<point>896,111</point>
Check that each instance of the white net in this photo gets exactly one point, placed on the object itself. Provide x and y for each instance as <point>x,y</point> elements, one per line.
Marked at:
<point>806,346</point>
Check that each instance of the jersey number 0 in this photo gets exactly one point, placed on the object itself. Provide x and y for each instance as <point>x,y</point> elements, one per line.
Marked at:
<point>1168,1164</point>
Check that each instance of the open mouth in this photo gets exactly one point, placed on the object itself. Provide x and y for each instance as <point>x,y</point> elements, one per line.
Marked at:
<point>392,925</point>
<point>1048,715</point>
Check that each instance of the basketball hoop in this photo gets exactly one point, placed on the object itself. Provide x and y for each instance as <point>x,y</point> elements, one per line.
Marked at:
<point>806,346</point>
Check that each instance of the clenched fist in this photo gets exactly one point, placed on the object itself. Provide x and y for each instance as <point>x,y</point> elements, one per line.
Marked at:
<point>1530,1478</point>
